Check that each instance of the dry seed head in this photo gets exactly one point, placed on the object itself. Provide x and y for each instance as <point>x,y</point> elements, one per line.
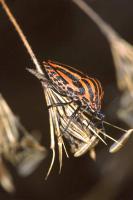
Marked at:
<point>6,180</point>
<point>122,53</point>
<point>17,145</point>
<point>80,134</point>
<point>121,142</point>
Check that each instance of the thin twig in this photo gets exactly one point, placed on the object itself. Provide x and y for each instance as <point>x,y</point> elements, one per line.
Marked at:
<point>104,27</point>
<point>22,36</point>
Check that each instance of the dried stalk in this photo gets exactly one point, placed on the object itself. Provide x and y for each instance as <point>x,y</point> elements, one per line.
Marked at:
<point>122,53</point>
<point>21,35</point>
<point>17,146</point>
<point>6,180</point>
<point>81,135</point>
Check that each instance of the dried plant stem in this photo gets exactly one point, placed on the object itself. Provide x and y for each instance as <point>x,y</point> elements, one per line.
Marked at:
<point>104,27</point>
<point>21,35</point>
<point>114,126</point>
<point>30,51</point>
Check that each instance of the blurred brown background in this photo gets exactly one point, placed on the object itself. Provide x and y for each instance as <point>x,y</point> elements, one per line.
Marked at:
<point>58,30</point>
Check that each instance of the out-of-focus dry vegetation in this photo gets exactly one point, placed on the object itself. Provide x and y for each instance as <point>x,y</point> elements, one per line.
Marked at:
<point>17,146</point>
<point>61,31</point>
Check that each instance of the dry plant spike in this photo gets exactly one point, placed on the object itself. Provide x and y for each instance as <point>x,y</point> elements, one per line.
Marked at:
<point>122,51</point>
<point>5,113</point>
<point>114,126</point>
<point>17,146</point>
<point>6,180</point>
<point>21,35</point>
<point>97,134</point>
<point>121,142</point>
<point>93,154</point>
<point>80,135</point>
<point>9,133</point>
<point>30,163</point>
<point>52,146</point>
<point>69,109</point>
<point>58,134</point>
<point>55,130</point>
<point>125,111</point>
<point>32,155</point>
<point>105,28</point>
<point>58,112</point>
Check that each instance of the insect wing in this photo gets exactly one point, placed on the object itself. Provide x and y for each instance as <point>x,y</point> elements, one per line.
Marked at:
<point>64,80</point>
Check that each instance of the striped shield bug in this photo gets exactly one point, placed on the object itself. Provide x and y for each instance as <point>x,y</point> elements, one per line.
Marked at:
<point>81,133</point>
<point>85,91</point>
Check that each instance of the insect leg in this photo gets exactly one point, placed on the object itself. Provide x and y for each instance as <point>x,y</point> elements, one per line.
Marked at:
<point>99,125</point>
<point>59,104</point>
<point>95,125</point>
<point>72,117</point>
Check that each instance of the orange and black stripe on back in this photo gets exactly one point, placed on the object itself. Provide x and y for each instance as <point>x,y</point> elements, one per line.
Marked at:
<point>98,94</point>
<point>56,81</point>
<point>101,90</point>
<point>93,92</point>
<point>75,84</point>
<point>97,91</point>
<point>75,72</point>
<point>89,89</point>
<point>72,79</point>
